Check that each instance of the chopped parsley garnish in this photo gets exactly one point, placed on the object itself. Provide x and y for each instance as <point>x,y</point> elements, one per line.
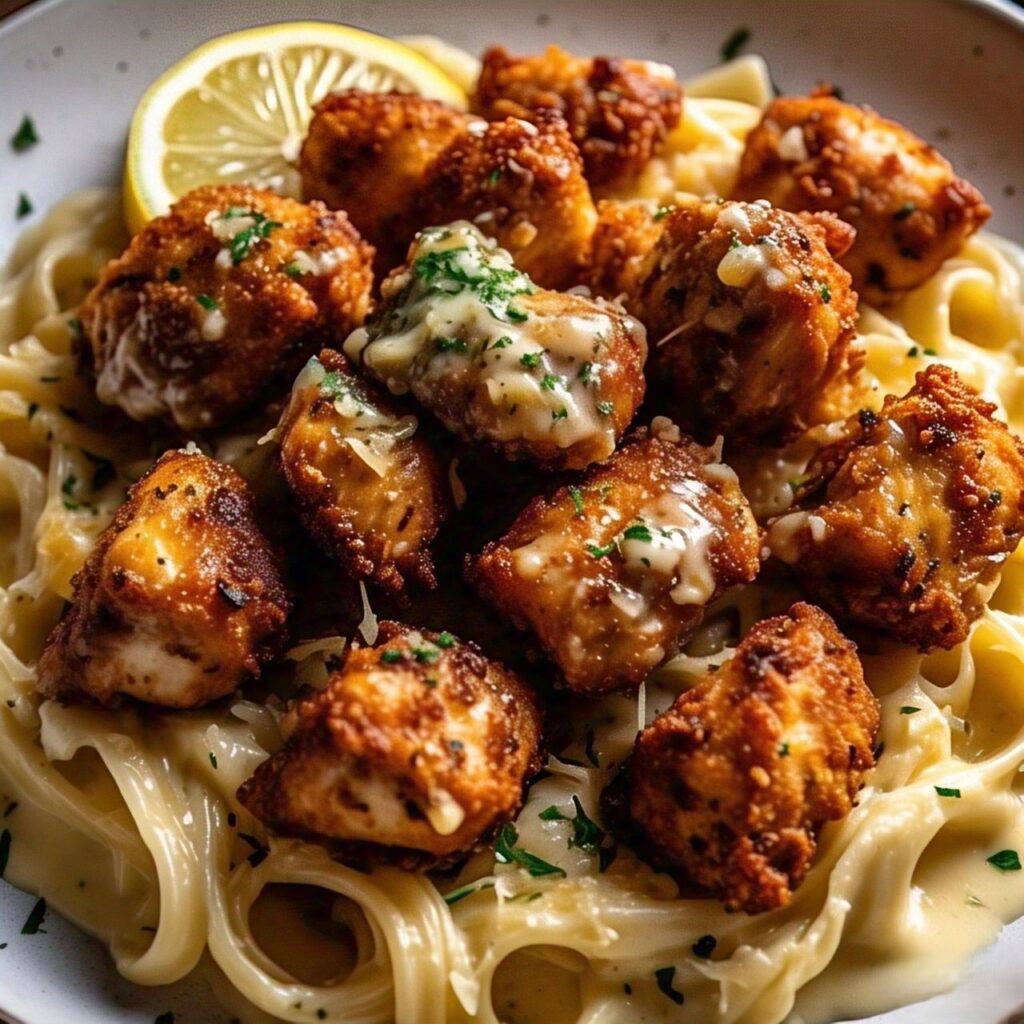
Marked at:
<point>586,834</point>
<point>560,414</point>
<point>600,552</point>
<point>391,657</point>
<point>663,211</point>
<point>665,976</point>
<point>909,709</point>
<point>826,295</point>
<point>912,352</point>
<point>426,655</point>
<point>904,211</point>
<point>206,302</point>
<point>552,813</point>
<point>1005,860</point>
<point>452,345</point>
<point>5,850</point>
<point>930,352</point>
<point>525,897</point>
<point>783,750</point>
<point>517,316</point>
<point>445,640</point>
<point>294,270</point>
<point>494,177</point>
<point>26,136</point>
<point>587,375</point>
<point>242,244</point>
<point>605,408</point>
<point>466,890</point>
<point>35,918</point>
<point>24,207</point>
<point>948,791</point>
<point>530,359</point>
<point>705,946</point>
<point>550,381</point>
<point>503,342</point>
<point>68,487</point>
<point>576,494</point>
<point>505,852</point>
<point>213,760</point>
<point>638,531</point>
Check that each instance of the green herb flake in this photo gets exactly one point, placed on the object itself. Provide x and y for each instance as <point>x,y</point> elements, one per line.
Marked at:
<point>26,136</point>
<point>576,494</point>
<point>825,293</point>
<point>426,655</point>
<point>904,211</point>
<point>705,946</point>
<point>391,656</point>
<point>560,414</point>
<point>243,243</point>
<point>552,813</point>
<point>909,709</point>
<point>638,531</point>
<point>35,918</point>
<point>663,211</point>
<point>530,359</point>
<point>783,750</point>
<point>452,345</point>
<point>587,835</point>
<point>457,895</point>
<point>503,342</point>
<point>68,487</point>
<point>206,302</point>
<point>587,375</point>
<point>665,976</point>
<point>912,352</point>
<point>550,381</point>
<point>605,408</point>
<point>505,852</point>
<point>445,640</point>
<point>600,552</point>
<point>24,207</point>
<point>948,791</point>
<point>930,352</point>
<point>5,850</point>
<point>1005,860</point>
<point>495,176</point>
<point>213,760</point>
<point>294,271</point>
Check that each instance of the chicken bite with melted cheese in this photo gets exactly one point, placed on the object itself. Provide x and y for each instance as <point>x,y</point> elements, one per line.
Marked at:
<point>909,208</point>
<point>180,602</point>
<point>548,377</point>
<point>731,785</point>
<point>751,321</point>
<point>416,752</point>
<point>217,305</point>
<point>369,489</point>
<point>367,153</point>
<point>903,525</point>
<point>521,184</point>
<point>619,111</point>
<point>612,574</point>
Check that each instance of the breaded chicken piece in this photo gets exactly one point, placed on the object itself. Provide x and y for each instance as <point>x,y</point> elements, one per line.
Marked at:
<point>619,111</point>
<point>218,304</point>
<point>543,376</point>
<point>627,232</point>
<point>415,753</point>
<point>910,209</point>
<point>369,489</point>
<point>612,574</point>
<point>905,523</point>
<point>368,153</point>
<point>180,602</point>
<point>731,785</point>
<point>521,184</point>
<point>751,321</point>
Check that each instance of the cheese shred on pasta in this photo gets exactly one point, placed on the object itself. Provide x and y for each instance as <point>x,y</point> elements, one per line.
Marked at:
<point>127,820</point>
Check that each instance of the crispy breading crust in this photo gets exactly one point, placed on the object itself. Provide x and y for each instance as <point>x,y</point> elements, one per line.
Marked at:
<point>368,153</point>
<point>420,714</point>
<point>767,354</point>
<point>521,184</point>
<point>914,512</point>
<point>181,600</point>
<point>378,527</point>
<point>147,320</point>
<point>731,784</point>
<point>618,111</point>
<point>626,234</point>
<point>583,608</point>
<point>910,209</point>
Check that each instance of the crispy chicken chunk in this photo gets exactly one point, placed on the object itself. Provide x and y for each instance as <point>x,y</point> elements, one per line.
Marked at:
<point>751,320</point>
<point>731,785</point>
<point>521,184</point>
<point>910,209</point>
<point>368,154</point>
<point>181,600</point>
<point>368,486</point>
<point>417,750</point>
<point>618,111</point>
<point>611,575</point>
<point>540,375</point>
<point>627,232</point>
<point>218,304</point>
<point>904,524</point>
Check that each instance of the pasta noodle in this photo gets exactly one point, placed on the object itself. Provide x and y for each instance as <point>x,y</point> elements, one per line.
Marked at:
<point>127,820</point>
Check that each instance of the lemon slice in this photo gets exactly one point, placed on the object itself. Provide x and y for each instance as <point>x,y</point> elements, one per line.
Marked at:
<point>237,108</point>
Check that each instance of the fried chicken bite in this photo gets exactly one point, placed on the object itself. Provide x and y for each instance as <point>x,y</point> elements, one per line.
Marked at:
<point>751,320</point>
<point>415,753</point>
<point>218,304</point>
<point>731,785</point>
<point>619,111</point>
<point>539,375</point>
<point>904,524</point>
<point>612,574</point>
<point>909,208</point>
<point>368,487</point>
<point>367,153</point>
<point>180,602</point>
<point>626,234</point>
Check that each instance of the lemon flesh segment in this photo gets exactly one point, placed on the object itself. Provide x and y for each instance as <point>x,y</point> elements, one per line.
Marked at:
<point>237,109</point>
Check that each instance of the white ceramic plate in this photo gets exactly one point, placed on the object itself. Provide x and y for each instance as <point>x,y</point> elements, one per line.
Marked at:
<point>952,71</point>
